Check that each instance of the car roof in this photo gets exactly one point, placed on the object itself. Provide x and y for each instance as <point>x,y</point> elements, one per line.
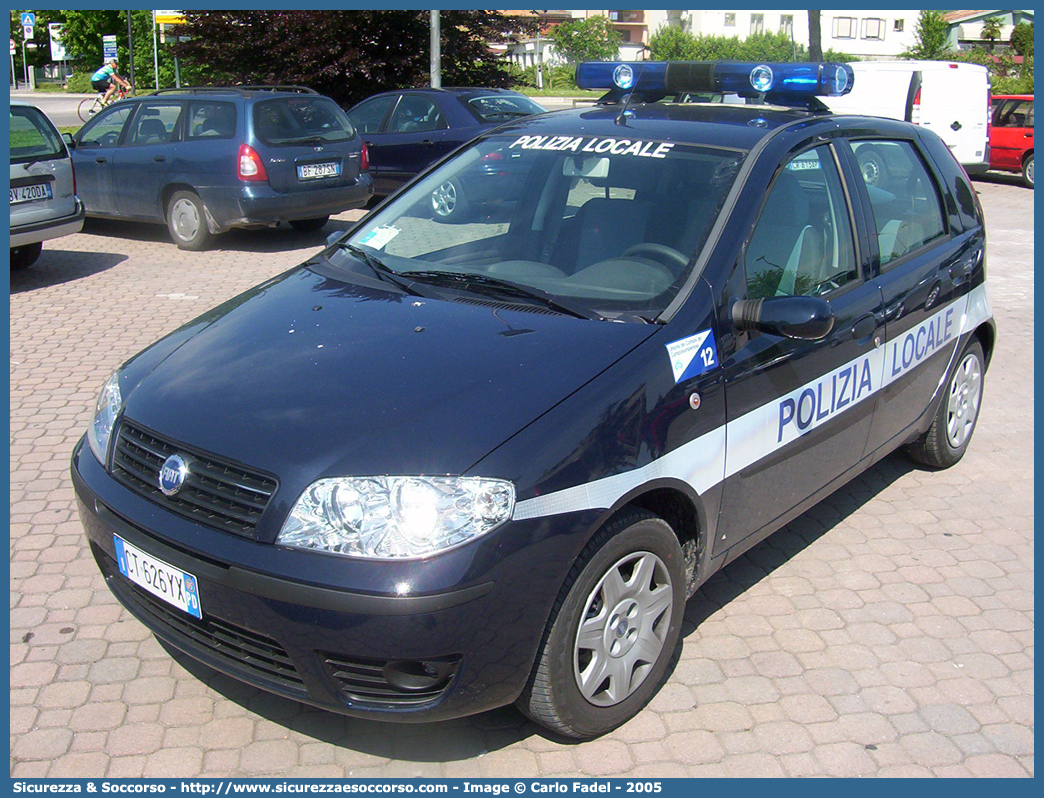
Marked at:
<point>711,124</point>
<point>443,91</point>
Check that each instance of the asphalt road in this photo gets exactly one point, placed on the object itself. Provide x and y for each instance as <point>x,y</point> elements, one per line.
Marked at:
<point>888,631</point>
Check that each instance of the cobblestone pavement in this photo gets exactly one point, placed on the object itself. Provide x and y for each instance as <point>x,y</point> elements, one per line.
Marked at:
<point>887,632</point>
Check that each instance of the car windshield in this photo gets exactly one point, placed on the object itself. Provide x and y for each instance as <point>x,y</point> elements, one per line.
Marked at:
<point>611,226</point>
<point>32,136</point>
<point>499,108</point>
<point>288,121</point>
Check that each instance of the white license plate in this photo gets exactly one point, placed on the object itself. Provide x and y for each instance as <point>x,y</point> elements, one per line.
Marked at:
<point>310,171</point>
<point>160,579</point>
<point>37,191</point>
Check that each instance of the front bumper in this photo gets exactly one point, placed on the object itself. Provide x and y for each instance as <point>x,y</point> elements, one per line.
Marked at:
<point>341,649</point>
<point>250,204</point>
<point>49,228</point>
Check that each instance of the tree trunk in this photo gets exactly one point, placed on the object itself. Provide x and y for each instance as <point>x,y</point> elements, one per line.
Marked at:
<point>815,37</point>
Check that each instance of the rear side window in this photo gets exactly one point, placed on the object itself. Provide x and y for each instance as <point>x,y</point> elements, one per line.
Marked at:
<point>905,201</point>
<point>289,121</point>
<point>502,108</point>
<point>33,138</point>
<point>210,120</point>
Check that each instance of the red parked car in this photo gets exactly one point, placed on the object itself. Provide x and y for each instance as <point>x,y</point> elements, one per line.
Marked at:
<point>1011,135</point>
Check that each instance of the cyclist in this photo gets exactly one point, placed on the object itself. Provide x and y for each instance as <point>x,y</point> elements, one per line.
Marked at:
<point>106,80</point>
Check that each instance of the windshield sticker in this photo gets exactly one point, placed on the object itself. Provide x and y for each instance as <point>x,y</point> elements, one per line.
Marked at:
<point>380,236</point>
<point>640,149</point>
<point>692,356</point>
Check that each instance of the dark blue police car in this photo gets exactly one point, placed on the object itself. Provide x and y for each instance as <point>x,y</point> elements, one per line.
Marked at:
<point>450,464</point>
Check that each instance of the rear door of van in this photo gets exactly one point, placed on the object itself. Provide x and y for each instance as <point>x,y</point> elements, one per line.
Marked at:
<point>955,104</point>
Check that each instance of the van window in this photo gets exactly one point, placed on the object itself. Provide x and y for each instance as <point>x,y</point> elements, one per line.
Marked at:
<point>905,201</point>
<point>802,244</point>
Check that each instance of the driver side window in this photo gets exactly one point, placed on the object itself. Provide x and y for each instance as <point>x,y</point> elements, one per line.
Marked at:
<point>105,132</point>
<point>802,244</point>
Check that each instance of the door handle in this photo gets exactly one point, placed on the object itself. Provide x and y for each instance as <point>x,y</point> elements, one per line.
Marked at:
<point>955,126</point>
<point>160,158</point>
<point>1029,135</point>
<point>428,142</point>
<point>101,160</point>
<point>864,327</point>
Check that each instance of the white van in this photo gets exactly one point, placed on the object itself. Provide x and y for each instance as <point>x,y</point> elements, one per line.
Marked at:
<point>953,99</point>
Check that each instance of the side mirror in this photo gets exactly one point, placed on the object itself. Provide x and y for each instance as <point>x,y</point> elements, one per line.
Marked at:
<point>70,142</point>
<point>806,318</point>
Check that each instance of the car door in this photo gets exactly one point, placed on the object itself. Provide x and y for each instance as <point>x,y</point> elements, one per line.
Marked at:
<point>1012,133</point>
<point>96,144</point>
<point>924,265</point>
<point>368,118</point>
<point>141,163</point>
<point>412,138</point>
<point>799,411</point>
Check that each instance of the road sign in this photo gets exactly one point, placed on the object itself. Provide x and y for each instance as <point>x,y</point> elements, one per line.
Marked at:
<point>12,47</point>
<point>108,47</point>
<point>170,17</point>
<point>27,32</point>
<point>28,19</point>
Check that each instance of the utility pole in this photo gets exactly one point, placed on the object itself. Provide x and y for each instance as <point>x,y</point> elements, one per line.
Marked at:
<point>130,48</point>
<point>436,51</point>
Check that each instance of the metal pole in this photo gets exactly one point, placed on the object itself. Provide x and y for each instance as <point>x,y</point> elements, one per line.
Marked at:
<point>155,50</point>
<point>130,48</point>
<point>436,51</point>
<point>25,65</point>
<point>539,58</point>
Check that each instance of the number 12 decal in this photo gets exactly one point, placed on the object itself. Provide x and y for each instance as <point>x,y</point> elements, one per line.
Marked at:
<point>693,355</point>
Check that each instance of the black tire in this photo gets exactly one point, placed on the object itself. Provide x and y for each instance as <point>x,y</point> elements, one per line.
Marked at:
<point>26,255</point>
<point>872,166</point>
<point>448,202</point>
<point>187,221</point>
<point>1027,170</point>
<point>947,439</point>
<point>309,225</point>
<point>553,696</point>
<point>88,108</point>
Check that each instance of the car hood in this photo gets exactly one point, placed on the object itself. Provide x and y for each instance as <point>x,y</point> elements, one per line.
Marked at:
<point>309,376</point>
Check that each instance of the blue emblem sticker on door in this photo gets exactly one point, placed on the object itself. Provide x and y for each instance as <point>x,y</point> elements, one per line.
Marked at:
<point>692,356</point>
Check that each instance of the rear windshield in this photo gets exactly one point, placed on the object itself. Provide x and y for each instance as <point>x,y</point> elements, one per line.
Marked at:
<point>287,121</point>
<point>33,138</point>
<point>503,108</point>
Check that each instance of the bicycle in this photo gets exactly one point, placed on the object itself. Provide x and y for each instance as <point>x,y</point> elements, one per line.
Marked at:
<point>89,107</point>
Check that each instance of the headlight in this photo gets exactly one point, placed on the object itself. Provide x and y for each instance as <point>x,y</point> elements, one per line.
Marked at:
<point>105,412</point>
<point>396,517</point>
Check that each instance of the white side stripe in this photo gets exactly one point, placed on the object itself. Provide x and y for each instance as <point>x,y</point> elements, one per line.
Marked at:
<point>704,462</point>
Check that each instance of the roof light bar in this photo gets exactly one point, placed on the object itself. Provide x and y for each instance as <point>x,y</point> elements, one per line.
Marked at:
<point>782,82</point>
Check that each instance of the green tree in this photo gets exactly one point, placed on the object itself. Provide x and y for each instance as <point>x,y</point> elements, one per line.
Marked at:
<point>672,44</point>
<point>591,39</point>
<point>991,30</point>
<point>1022,39</point>
<point>931,34</point>
<point>815,36</point>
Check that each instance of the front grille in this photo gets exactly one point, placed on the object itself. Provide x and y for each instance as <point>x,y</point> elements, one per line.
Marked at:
<point>244,651</point>
<point>216,493</point>
<point>364,681</point>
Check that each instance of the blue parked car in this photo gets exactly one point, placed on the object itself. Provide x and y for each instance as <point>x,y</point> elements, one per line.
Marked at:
<point>207,159</point>
<point>406,131</point>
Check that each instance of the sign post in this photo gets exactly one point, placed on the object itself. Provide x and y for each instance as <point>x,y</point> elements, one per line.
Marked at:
<point>14,78</point>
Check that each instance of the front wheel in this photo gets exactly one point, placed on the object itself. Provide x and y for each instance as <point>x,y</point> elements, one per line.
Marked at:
<point>448,201</point>
<point>1027,171</point>
<point>948,437</point>
<point>88,108</point>
<point>187,221</point>
<point>613,630</point>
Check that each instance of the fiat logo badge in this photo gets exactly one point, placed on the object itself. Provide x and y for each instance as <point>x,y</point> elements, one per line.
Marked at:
<point>172,474</point>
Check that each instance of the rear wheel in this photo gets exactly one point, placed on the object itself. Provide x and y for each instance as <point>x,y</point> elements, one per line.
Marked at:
<point>613,630</point>
<point>26,255</point>
<point>187,221</point>
<point>948,437</point>
<point>88,108</point>
<point>309,225</point>
<point>1027,170</point>
<point>448,201</point>
<point>872,166</point>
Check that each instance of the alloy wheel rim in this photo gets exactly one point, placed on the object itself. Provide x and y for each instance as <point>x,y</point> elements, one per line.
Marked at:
<point>623,628</point>
<point>186,219</point>
<point>962,405</point>
<point>444,199</point>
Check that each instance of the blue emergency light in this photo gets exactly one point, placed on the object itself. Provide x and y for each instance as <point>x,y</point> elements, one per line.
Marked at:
<point>785,83</point>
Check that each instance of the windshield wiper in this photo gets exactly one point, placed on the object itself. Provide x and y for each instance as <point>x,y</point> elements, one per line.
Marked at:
<point>484,283</point>
<point>384,273</point>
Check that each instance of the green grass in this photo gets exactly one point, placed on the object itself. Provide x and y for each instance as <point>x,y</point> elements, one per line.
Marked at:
<point>50,88</point>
